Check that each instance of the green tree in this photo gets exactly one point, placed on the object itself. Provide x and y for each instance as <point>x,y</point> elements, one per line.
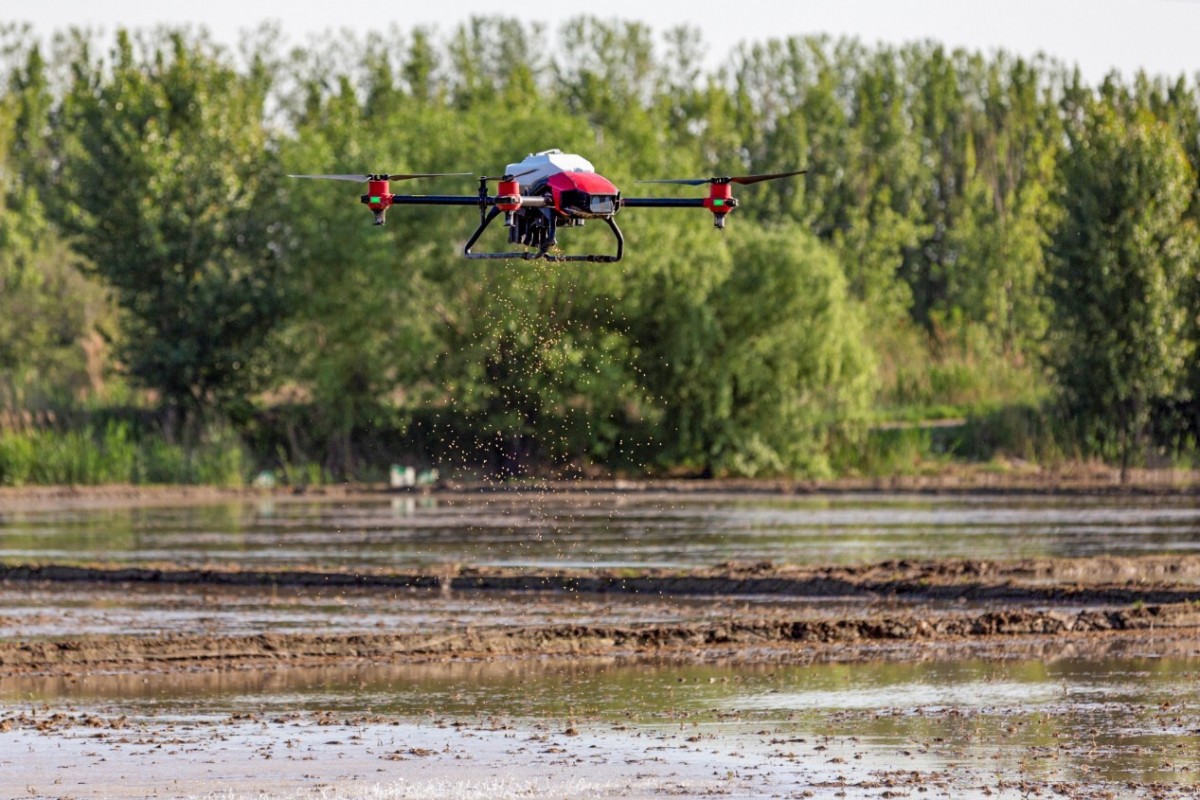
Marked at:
<point>607,74</point>
<point>171,194</point>
<point>359,332</point>
<point>753,355</point>
<point>1123,260</point>
<point>940,120</point>
<point>1007,209</point>
<point>48,309</point>
<point>882,222</point>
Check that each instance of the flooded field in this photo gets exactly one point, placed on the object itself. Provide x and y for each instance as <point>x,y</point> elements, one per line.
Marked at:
<point>960,729</point>
<point>603,645</point>
<point>607,530</point>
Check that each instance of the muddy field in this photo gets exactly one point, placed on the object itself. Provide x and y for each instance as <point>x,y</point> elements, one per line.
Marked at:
<point>901,609</point>
<point>251,676</point>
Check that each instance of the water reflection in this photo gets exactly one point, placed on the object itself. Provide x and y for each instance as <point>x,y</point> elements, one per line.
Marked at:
<point>1088,718</point>
<point>608,530</point>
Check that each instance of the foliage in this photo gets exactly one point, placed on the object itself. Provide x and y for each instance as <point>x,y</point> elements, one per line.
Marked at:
<point>49,311</point>
<point>963,244</point>
<point>754,356</point>
<point>119,454</point>
<point>1125,258</point>
<point>164,178</point>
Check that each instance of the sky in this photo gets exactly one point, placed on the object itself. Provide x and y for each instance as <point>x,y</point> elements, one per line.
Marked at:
<point>1159,36</point>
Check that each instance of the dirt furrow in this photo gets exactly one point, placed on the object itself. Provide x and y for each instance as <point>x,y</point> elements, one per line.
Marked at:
<point>1097,581</point>
<point>125,652</point>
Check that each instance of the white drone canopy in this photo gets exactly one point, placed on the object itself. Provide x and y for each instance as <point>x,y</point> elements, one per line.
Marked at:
<point>537,167</point>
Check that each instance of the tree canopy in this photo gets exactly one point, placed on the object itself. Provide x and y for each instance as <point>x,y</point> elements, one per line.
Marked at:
<point>967,224</point>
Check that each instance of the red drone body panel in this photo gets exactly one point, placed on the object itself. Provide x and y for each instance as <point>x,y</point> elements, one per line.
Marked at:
<point>545,191</point>
<point>589,182</point>
<point>575,192</point>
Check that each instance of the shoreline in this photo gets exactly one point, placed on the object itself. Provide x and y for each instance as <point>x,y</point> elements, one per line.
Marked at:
<point>1076,480</point>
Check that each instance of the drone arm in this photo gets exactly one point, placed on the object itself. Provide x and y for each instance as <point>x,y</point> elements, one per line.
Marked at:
<point>719,201</point>
<point>460,200</point>
<point>662,202</point>
<point>434,200</point>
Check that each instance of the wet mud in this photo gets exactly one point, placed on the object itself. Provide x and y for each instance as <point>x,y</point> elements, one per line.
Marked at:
<point>776,639</point>
<point>903,609</point>
<point>1158,579</point>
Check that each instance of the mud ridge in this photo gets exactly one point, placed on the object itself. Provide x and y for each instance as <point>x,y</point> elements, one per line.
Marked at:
<point>132,652</point>
<point>1081,581</point>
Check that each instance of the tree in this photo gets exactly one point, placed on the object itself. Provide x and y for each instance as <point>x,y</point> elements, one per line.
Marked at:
<point>1123,261</point>
<point>391,323</point>
<point>359,331</point>
<point>169,185</point>
<point>1007,209</point>
<point>753,356</point>
<point>48,309</point>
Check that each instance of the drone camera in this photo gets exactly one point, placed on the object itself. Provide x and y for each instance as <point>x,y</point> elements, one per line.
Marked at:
<point>583,204</point>
<point>602,204</point>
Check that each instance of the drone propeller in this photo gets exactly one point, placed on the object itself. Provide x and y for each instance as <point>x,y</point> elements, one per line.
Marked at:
<point>742,179</point>
<point>398,177</point>
<point>509,177</point>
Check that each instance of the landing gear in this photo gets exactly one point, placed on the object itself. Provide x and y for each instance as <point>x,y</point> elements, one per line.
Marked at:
<point>536,228</point>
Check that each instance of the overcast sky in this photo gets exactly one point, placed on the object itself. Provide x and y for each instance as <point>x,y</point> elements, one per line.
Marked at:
<point>1160,36</point>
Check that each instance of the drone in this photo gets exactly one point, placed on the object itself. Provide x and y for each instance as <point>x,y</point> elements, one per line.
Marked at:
<point>547,191</point>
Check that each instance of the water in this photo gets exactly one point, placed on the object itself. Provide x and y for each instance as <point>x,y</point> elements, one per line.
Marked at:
<point>970,727</point>
<point>1088,716</point>
<point>607,530</point>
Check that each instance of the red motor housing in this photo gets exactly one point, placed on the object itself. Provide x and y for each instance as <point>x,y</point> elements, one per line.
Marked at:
<point>508,195</point>
<point>720,202</point>
<point>378,198</point>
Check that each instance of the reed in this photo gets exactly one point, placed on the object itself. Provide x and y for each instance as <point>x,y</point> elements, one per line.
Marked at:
<point>117,453</point>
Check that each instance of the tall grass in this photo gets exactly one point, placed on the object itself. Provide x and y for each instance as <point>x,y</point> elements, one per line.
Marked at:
<point>879,452</point>
<point>1028,432</point>
<point>115,454</point>
<point>959,376</point>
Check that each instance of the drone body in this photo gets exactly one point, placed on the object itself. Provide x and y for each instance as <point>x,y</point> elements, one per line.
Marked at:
<point>544,192</point>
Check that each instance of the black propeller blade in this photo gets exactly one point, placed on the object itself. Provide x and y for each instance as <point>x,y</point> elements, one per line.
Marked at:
<point>402,176</point>
<point>509,177</point>
<point>742,179</point>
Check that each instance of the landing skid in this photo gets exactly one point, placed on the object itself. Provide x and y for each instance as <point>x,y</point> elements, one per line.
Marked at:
<point>542,252</point>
